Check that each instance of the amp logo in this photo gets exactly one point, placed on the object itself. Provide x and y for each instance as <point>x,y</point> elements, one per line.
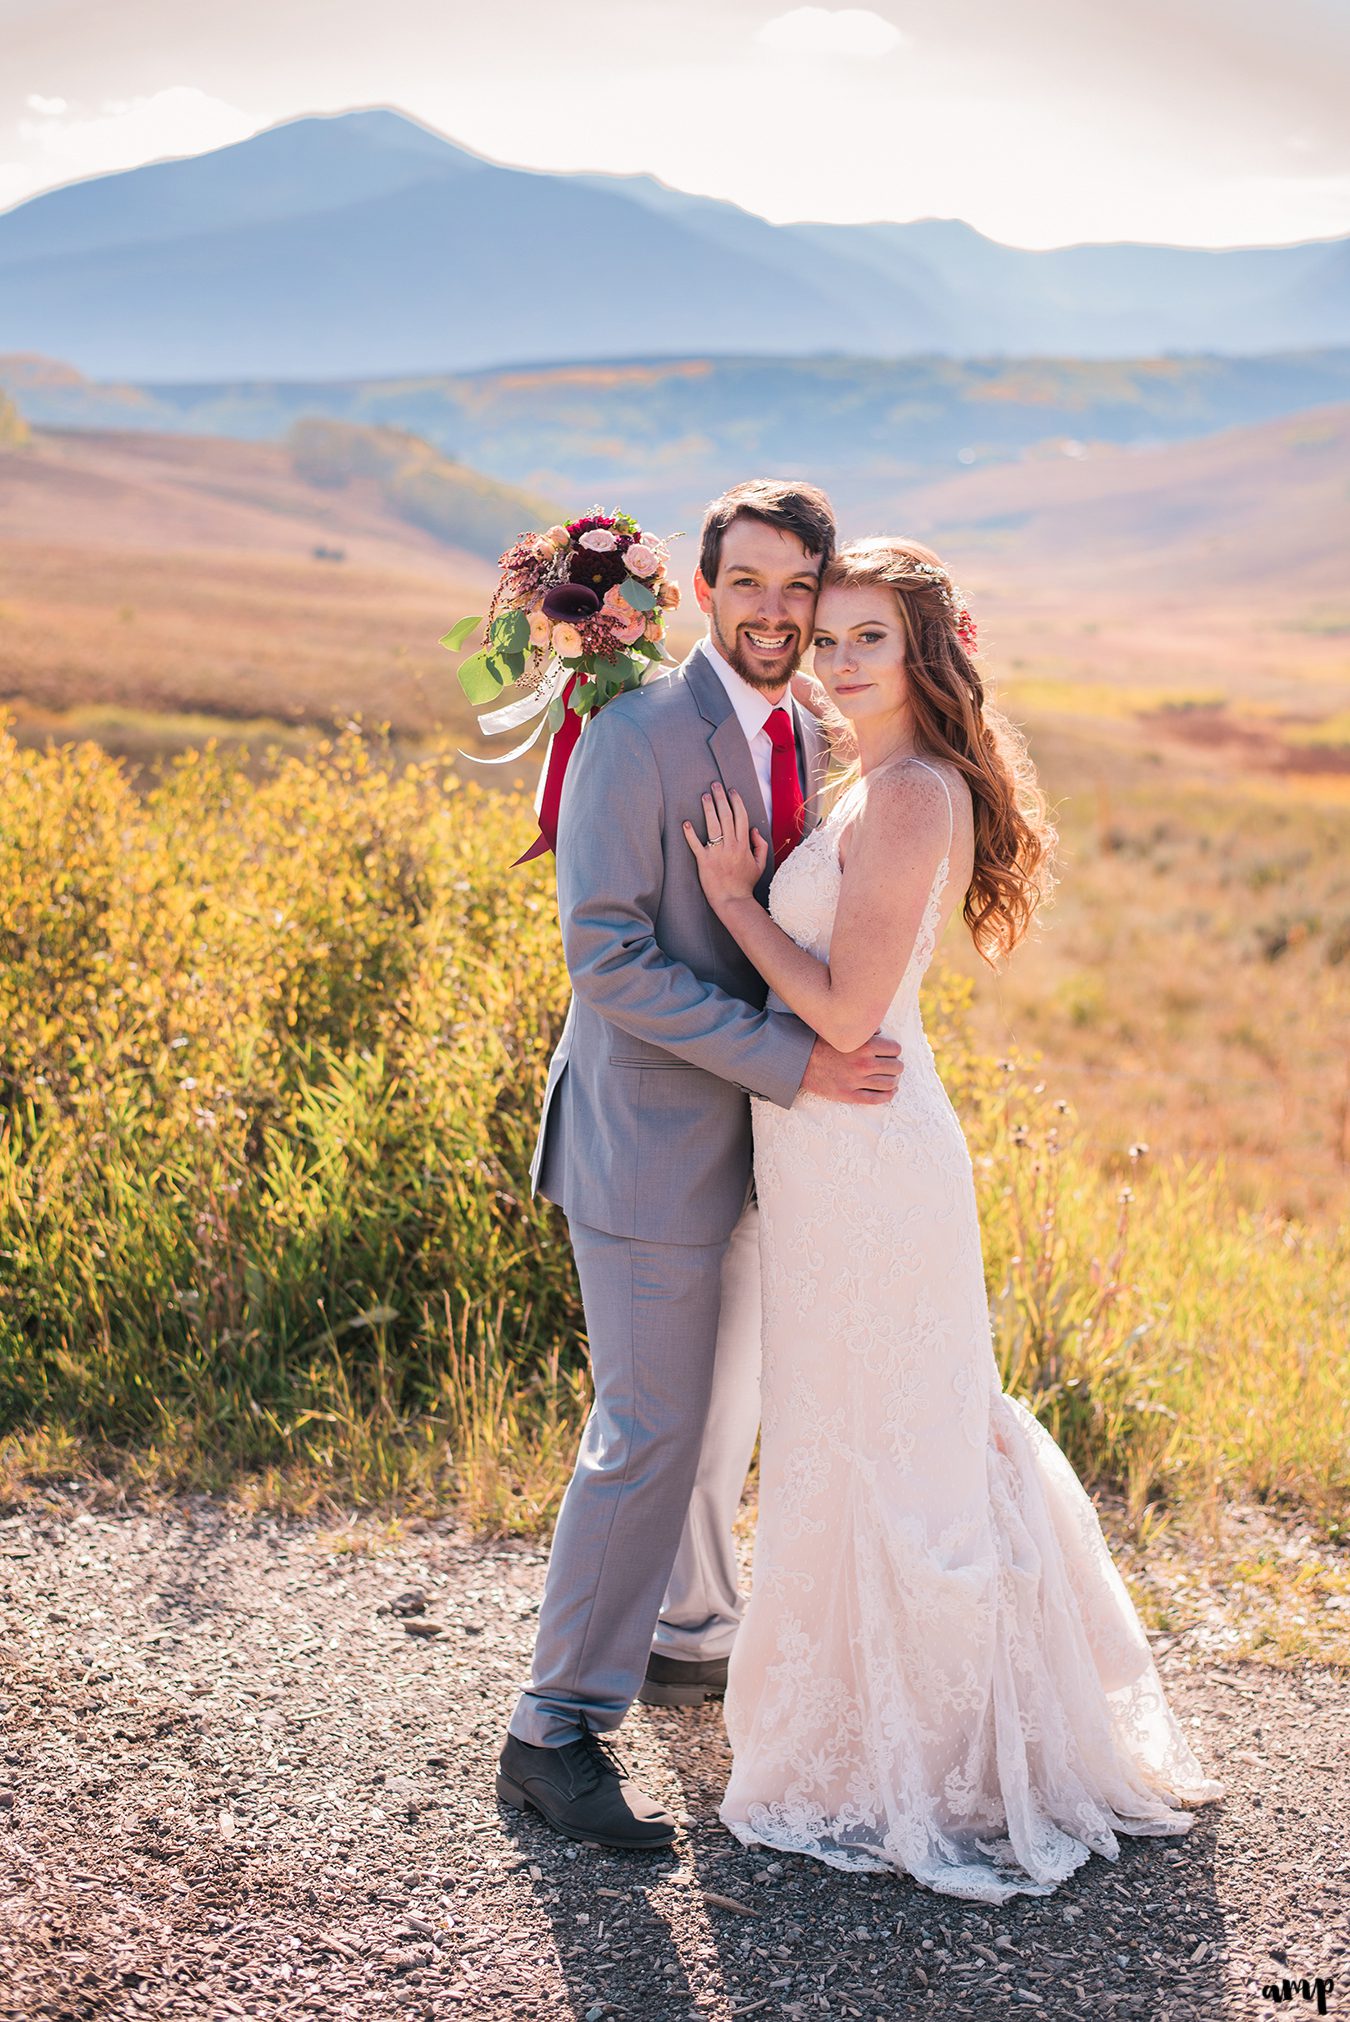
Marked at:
<point>1307,1990</point>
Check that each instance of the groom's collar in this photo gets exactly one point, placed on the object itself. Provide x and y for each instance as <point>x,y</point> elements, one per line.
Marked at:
<point>720,692</point>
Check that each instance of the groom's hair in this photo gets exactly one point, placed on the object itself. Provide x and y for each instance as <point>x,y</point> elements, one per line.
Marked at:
<point>797,508</point>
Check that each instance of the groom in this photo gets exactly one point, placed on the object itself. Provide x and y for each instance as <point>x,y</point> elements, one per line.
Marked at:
<point>645,1144</point>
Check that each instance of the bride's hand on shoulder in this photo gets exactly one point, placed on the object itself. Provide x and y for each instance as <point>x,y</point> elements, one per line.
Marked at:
<point>731,859</point>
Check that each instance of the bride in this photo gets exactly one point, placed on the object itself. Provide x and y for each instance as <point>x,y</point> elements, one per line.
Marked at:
<point>939,1670</point>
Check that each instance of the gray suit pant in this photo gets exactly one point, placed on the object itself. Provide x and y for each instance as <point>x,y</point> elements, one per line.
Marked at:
<point>674,1334</point>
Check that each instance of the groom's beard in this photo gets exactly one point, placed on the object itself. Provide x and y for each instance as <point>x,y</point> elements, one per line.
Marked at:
<point>756,671</point>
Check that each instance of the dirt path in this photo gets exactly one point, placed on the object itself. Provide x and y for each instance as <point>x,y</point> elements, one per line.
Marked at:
<point>233,1783</point>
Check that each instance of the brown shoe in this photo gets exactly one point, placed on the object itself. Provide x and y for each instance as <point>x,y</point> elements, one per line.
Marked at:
<point>676,1681</point>
<point>583,1790</point>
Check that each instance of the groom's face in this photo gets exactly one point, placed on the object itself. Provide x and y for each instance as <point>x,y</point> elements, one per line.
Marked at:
<point>761,608</point>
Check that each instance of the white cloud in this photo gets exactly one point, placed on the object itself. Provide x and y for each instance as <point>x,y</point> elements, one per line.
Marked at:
<point>831,31</point>
<point>64,142</point>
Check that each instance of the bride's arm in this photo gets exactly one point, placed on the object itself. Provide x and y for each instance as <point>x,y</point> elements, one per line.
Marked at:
<point>894,848</point>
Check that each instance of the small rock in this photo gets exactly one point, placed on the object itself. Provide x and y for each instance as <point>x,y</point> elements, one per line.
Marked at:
<point>426,1630</point>
<point>412,1602</point>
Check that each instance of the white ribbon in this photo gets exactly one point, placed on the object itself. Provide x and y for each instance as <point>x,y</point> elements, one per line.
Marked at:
<point>510,715</point>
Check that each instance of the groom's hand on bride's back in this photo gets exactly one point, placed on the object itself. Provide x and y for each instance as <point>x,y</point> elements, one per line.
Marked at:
<point>868,1074</point>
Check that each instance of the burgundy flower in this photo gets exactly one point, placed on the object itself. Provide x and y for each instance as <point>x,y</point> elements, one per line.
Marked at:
<point>598,572</point>
<point>570,601</point>
<point>579,527</point>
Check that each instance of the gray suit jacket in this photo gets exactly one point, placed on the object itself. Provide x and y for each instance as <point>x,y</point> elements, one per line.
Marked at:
<point>646,1123</point>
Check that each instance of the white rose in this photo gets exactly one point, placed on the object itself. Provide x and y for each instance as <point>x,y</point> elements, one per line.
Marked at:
<point>599,540</point>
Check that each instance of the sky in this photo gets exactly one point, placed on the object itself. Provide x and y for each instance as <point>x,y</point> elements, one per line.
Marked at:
<point>1040,122</point>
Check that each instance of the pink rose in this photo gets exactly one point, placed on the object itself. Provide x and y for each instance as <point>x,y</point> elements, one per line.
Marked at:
<point>640,560</point>
<point>567,642</point>
<point>668,596</point>
<point>600,541</point>
<point>627,631</point>
<point>653,628</point>
<point>559,537</point>
<point>540,629</point>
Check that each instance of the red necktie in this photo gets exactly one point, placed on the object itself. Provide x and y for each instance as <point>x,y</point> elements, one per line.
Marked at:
<point>789,808</point>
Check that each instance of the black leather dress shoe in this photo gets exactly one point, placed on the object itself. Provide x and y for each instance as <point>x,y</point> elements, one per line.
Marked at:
<point>583,1790</point>
<point>675,1681</point>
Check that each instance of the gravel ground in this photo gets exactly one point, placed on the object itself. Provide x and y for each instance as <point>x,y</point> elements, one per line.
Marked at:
<point>247,1772</point>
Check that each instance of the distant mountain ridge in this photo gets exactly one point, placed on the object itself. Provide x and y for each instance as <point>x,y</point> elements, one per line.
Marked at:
<point>363,244</point>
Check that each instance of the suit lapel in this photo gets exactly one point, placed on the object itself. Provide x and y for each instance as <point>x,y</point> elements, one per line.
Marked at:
<point>729,750</point>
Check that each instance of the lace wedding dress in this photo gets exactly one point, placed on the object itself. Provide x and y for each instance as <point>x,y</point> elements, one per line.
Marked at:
<point>939,1669</point>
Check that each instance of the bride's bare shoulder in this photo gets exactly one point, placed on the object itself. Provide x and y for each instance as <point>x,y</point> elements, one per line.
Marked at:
<point>917,793</point>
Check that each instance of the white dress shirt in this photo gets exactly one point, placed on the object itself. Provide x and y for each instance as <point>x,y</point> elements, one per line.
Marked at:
<point>752,713</point>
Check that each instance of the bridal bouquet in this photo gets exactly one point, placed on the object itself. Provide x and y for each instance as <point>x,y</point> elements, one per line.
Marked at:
<point>578,616</point>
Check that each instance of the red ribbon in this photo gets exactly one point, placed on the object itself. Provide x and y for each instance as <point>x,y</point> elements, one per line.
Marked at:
<point>561,746</point>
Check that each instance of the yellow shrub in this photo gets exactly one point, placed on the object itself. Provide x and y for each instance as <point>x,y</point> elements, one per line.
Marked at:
<point>274,1047</point>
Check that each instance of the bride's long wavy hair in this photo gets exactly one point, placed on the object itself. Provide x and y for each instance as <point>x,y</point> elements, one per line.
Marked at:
<point>1014,836</point>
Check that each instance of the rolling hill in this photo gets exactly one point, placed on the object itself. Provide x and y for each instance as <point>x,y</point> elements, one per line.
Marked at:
<point>363,244</point>
<point>189,574</point>
<point>381,496</point>
<point>662,437</point>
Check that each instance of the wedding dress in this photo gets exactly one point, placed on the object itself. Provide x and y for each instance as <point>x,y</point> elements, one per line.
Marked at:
<point>939,1670</point>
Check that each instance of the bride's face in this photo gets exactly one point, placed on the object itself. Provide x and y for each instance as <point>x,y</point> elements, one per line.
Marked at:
<point>860,652</point>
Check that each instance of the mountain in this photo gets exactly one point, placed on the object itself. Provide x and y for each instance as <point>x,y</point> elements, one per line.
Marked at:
<point>363,244</point>
<point>660,438</point>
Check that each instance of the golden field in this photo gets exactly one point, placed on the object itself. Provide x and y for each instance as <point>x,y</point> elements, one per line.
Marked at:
<point>275,1044</point>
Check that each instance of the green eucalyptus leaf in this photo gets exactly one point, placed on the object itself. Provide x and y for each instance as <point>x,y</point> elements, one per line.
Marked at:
<point>510,632</point>
<point>640,595</point>
<point>454,639</point>
<point>479,679</point>
<point>583,697</point>
<point>556,711</point>
<point>508,666</point>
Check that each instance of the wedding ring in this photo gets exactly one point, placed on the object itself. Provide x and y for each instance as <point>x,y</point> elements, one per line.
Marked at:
<point>713,841</point>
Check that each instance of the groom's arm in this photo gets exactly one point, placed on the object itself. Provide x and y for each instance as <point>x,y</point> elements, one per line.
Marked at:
<point>610,873</point>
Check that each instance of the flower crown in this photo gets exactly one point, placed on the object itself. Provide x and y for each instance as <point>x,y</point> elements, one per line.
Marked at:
<point>953,599</point>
